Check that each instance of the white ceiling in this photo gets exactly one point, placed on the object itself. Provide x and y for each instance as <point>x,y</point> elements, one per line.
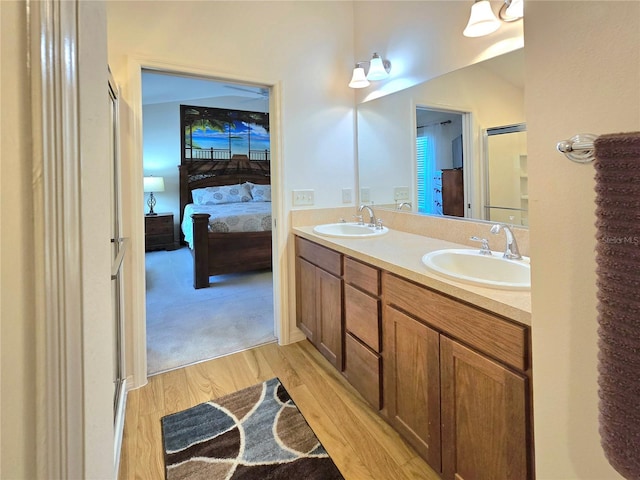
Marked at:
<point>159,87</point>
<point>509,66</point>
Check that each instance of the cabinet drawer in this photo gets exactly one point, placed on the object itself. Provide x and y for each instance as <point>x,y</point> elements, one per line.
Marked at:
<point>159,225</point>
<point>159,229</point>
<point>362,315</point>
<point>159,238</point>
<point>320,256</point>
<point>362,369</point>
<point>362,276</point>
<point>497,337</point>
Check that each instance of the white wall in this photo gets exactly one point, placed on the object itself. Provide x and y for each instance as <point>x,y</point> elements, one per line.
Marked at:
<point>583,72</point>
<point>305,45</point>
<point>423,40</point>
<point>17,300</point>
<point>161,154</point>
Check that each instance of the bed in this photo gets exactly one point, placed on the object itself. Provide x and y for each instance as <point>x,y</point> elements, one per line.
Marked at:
<point>221,240</point>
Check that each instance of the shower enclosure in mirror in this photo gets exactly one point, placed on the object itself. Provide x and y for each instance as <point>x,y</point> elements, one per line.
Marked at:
<point>485,94</point>
<point>505,166</point>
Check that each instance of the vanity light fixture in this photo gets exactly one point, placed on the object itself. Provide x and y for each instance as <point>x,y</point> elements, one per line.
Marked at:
<point>379,69</point>
<point>483,21</point>
<point>359,79</point>
<point>511,10</point>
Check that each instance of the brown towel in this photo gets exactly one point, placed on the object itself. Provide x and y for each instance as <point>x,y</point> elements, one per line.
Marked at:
<point>618,279</point>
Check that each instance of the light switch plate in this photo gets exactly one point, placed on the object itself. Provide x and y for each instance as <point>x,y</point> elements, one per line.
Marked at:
<point>365,195</point>
<point>401,193</point>
<point>303,197</point>
<point>347,195</point>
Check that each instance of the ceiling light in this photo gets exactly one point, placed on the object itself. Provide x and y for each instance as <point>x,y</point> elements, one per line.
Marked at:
<point>482,20</point>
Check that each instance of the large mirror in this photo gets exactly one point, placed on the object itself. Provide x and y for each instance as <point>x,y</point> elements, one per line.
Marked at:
<point>425,149</point>
<point>506,197</point>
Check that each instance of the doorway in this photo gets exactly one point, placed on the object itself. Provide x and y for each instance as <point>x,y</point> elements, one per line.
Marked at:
<point>440,162</point>
<point>184,325</point>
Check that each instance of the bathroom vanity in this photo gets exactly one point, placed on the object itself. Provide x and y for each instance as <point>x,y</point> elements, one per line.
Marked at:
<point>447,365</point>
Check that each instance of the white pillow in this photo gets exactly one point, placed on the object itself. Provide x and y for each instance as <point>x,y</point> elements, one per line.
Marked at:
<point>223,194</point>
<point>260,193</point>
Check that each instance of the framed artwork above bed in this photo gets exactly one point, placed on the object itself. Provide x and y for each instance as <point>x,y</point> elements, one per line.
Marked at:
<point>223,134</point>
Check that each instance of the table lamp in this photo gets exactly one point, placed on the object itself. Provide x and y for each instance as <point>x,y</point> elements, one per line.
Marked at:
<point>153,184</point>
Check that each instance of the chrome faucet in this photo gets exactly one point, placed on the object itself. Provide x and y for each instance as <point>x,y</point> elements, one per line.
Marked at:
<point>372,217</point>
<point>485,250</point>
<point>511,251</point>
<point>403,204</point>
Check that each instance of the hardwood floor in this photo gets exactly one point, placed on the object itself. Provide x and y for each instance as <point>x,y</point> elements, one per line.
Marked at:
<point>360,443</point>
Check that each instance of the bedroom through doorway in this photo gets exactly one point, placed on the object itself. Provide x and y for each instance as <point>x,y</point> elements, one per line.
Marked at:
<point>228,130</point>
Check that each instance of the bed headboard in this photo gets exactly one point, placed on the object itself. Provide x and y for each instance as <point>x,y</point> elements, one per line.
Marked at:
<point>211,173</point>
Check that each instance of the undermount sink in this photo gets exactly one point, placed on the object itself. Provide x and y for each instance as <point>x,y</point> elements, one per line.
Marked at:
<point>468,266</point>
<point>349,230</point>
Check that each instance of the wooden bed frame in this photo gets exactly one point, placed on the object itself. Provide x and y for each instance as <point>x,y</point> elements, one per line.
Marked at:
<point>217,253</point>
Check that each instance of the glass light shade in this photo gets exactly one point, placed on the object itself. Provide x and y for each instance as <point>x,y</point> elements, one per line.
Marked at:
<point>482,20</point>
<point>515,10</point>
<point>153,184</point>
<point>376,69</point>
<point>359,79</point>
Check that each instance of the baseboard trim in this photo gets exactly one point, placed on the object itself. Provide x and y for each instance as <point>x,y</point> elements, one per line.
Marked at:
<point>295,336</point>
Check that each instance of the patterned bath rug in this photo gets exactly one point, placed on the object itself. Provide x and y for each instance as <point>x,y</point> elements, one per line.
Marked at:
<point>255,433</point>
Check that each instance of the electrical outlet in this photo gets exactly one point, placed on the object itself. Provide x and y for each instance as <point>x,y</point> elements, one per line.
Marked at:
<point>365,195</point>
<point>401,193</point>
<point>347,195</point>
<point>303,197</point>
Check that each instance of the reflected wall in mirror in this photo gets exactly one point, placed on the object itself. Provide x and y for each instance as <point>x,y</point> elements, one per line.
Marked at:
<point>486,94</point>
<point>507,191</point>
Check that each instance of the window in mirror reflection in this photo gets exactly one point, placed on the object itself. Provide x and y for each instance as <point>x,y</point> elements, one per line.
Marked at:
<point>507,193</point>
<point>439,161</point>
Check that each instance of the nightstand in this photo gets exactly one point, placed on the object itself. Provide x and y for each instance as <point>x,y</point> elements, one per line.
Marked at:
<point>158,232</point>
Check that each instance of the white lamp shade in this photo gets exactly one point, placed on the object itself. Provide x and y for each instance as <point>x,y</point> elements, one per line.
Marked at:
<point>515,9</point>
<point>376,69</point>
<point>153,184</point>
<point>358,80</point>
<point>482,20</point>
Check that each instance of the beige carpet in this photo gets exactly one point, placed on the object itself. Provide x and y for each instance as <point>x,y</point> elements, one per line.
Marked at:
<point>186,326</point>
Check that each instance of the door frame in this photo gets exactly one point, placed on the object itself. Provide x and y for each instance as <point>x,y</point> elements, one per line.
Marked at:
<point>72,257</point>
<point>137,332</point>
<point>473,183</point>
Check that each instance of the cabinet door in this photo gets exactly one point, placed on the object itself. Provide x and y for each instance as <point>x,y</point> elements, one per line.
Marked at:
<point>306,298</point>
<point>412,382</point>
<point>329,317</point>
<point>484,428</point>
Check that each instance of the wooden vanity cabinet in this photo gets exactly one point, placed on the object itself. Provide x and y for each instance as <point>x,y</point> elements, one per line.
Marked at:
<point>412,382</point>
<point>456,383</point>
<point>362,359</point>
<point>484,424</point>
<point>319,298</point>
<point>451,378</point>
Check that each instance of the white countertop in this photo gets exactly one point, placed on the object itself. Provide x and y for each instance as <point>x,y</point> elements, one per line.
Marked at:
<point>401,253</point>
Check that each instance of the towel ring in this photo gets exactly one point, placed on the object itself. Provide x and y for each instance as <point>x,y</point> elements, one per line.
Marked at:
<point>579,148</point>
